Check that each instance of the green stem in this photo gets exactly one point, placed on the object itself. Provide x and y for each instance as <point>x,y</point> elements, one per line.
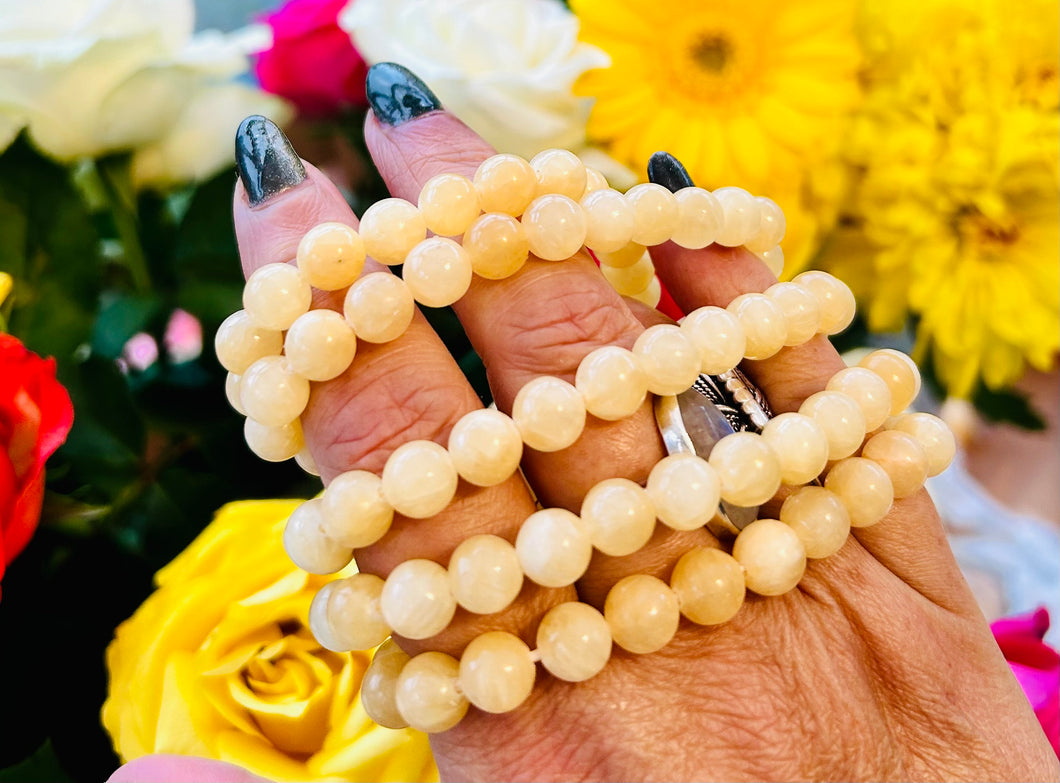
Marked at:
<point>121,200</point>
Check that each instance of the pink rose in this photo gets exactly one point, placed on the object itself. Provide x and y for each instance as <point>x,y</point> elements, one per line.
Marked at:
<point>1035,664</point>
<point>312,62</point>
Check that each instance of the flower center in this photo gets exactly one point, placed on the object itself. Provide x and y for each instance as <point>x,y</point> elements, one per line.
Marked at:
<point>989,233</point>
<point>712,52</point>
<point>712,65</point>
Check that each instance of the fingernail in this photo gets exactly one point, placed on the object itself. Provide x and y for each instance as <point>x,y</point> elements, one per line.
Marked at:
<point>265,159</point>
<point>666,170</point>
<point>397,94</point>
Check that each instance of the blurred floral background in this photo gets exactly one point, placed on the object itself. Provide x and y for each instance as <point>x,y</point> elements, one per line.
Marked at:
<point>913,146</point>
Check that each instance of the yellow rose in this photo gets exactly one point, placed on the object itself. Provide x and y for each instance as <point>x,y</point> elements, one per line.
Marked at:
<point>219,662</point>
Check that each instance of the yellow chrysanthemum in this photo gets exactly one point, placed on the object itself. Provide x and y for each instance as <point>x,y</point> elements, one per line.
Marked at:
<point>955,214</point>
<point>748,94</point>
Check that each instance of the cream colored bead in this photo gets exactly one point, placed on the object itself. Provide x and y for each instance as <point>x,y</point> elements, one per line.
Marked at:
<point>742,216</point>
<point>305,461</point>
<point>902,457</point>
<point>559,171</point>
<point>709,585</point>
<point>841,419</point>
<point>772,556</point>
<point>868,389</point>
<point>427,695</point>
<point>834,297</point>
<point>685,491</point>
<point>626,257</point>
<point>555,227</point>
<point>630,280</point>
<point>354,511</point>
<point>306,544</point>
<point>594,180</point>
<point>239,342</point>
<point>390,228</point>
<point>609,220</point>
<point>232,392</point>
<point>485,447</point>
<point>619,515</point>
<point>497,672</point>
<point>379,685</point>
<point>652,295</point>
<point>505,183</point>
<point>553,547</point>
<point>497,246</point>
<point>933,435</point>
<point>612,382</point>
<point>484,574</point>
<point>419,479</point>
<point>819,518</point>
<point>318,621</point>
<point>448,203</point>
<point>272,393</point>
<point>549,413</point>
<point>899,372</point>
<point>763,324</point>
<point>773,259</point>
<point>574,641</point>
<point>643,613</point>
<point>800,445</point>
<point>320,345</point>
<point>275,295</point>
<point>864,487</point>
<point>379,307</point>
<point>669,357</point>
<point>771,227</point>
<point>274,444</point>
<point>437,272</point>
<point>416,601</point>
<point>747,467</point>
<point>802,313</point>
<point>655,213</point>
<point>719,337</point>
<point>699,218</point>
<point>353,612</point>
<point>331,256</point>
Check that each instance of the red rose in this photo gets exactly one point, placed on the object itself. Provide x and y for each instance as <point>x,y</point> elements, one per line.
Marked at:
<point>35,416</point>
<point>312,62</point>
<point>1035,664</point>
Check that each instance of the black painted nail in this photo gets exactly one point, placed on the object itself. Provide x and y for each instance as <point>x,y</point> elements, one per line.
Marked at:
<point>265,159</point>
<point>666,170</point>
<point>397,94</point>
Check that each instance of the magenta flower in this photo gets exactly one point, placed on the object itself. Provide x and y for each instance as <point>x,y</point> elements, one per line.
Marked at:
<point>1035,664</point>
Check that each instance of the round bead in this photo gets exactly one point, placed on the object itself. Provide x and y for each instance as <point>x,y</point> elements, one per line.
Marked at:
<point>802,313</point>
<point>419,479</point>
<point>834,297</point>
<point>379,307</point>
<point>232,392</point>
<point>742,216</point>
<point>669,358</point>
<point>390,228</point>
<point>274,444</point>
<point>840,416</point>
<point>306,544</point>
<point>505,183</point>
<point>305,461</point>
<point>933,435</point>
<point>240,342</point>
<point>554,547</point>
<point>699,218</point>
<point>625,257</point>
<point>709,585</point>
<point>611,382</point>
<point>763,324</point>
<point>609,220</point>
<point>272,393</point>
<point>497,672</point>
<point>747,468</point>
<point>275,295</point>
<point>771,227</point>
<point>800,444</point>
<point>485,447</point>
<point>864,487</point>
<point>867,389</point>
<point>899,372</point>
<point>484,574</point>
<point>379,685</point>
<point>559,171</point>
<point>901,457</point>
<point>772,556</point>
<point>318,621</point>
<point>549,413</point>
<point>652,295</point>
<point>415,601</point>
<point>655,213</point>
<point>320,345</point>
<point>354,511</point>
<point>630,280</point>
<point>619,515</point>
<point>437,272</point>
<point>331,256</point>
<point>426,694</point>
<point>774,260</point>
<point>555,227</point>
<point>574,641</point>
<point>685,491</point>
<point>448,203</point>
<point>719,337</point>
<point>819,518</point>
<point>643,613</point>
<point>594,180</point>
<point>353,612</point>
<point>497,246</point>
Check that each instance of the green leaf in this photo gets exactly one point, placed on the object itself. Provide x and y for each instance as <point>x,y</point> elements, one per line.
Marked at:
<point>42,767</point>
<point>120,318</point>
<point>1008,406</point>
